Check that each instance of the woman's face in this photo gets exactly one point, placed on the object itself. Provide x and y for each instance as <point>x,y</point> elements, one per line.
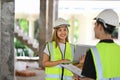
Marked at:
<point>62,33</point>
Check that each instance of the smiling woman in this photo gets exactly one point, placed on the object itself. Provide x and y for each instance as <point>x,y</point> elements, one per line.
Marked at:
<point>58,51</point>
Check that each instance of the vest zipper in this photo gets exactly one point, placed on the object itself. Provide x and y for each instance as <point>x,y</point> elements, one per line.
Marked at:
<point>63,58</point>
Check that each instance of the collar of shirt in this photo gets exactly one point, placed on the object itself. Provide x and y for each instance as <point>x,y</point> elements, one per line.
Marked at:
<point>106,41</point>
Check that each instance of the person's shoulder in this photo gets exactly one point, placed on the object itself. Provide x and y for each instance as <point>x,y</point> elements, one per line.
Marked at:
<point>88,51</point>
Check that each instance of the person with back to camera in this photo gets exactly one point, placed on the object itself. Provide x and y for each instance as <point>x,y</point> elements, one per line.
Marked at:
<point>58,51</point>
<point>102,61</point>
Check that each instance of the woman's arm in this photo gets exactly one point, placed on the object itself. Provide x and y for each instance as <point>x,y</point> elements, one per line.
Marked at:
<point>47,63</point>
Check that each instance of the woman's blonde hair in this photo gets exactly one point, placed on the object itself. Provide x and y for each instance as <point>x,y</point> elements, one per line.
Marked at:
<point>55,37</point>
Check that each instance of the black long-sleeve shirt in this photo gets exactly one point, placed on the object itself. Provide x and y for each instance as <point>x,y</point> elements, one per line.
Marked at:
<point>89,67</point>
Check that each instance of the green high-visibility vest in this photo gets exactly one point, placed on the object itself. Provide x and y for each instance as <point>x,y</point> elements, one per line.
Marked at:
<point>106,58</point>
<point>55,72</point>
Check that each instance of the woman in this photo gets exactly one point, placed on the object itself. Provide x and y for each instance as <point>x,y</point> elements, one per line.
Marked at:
<point>58,51</point>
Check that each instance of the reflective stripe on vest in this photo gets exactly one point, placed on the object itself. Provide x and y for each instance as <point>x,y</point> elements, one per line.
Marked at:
<point>50,49</point>
<point>54,73</point>
<point>58,76</point>
<point>98,66</point>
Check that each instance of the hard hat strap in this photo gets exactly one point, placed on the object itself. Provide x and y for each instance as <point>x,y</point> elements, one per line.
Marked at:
<point>101,20</point>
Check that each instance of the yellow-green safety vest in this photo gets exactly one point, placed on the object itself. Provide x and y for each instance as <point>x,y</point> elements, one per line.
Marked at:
<point>106,58</point>
<point>55,72</point>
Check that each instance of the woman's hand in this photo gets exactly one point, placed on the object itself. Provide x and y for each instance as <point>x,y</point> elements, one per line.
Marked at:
<point>65,61</point>
<point>82,59</point>
<point>47,63</point>
<point>75,77</point>
<point>81,62</point>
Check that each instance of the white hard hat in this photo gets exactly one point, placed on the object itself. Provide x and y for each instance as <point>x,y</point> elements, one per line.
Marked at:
<point>60,21</point>
<point>108,16</point>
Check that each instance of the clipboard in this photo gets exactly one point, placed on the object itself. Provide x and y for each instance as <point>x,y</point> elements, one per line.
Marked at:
<point>73,69</point>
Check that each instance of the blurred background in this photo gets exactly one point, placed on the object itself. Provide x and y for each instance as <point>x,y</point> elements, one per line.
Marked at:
<point>78,13</point>
<point>33,28</point>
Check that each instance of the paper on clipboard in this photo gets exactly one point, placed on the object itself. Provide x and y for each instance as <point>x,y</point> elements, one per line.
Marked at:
<point>72,68</point>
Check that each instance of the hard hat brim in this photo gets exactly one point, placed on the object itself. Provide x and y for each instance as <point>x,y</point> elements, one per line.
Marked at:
<point>67,25</point>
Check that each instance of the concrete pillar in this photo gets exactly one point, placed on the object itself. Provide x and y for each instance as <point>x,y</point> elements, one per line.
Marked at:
<point>56,9</point>
<point>52,16</point>
<point>42,29</point>
<point>48,14</point>
<point>50,19</point>
<point>72,28</point>
<point>31,32</point>
<point>6,40</point>
<point>31,27</point>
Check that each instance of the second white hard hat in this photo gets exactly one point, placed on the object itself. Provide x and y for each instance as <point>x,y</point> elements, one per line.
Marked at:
<point>109,16</point>
<point>60,21</point>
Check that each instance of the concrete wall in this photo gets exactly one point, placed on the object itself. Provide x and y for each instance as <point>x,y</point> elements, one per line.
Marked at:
<point>6,40</point>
